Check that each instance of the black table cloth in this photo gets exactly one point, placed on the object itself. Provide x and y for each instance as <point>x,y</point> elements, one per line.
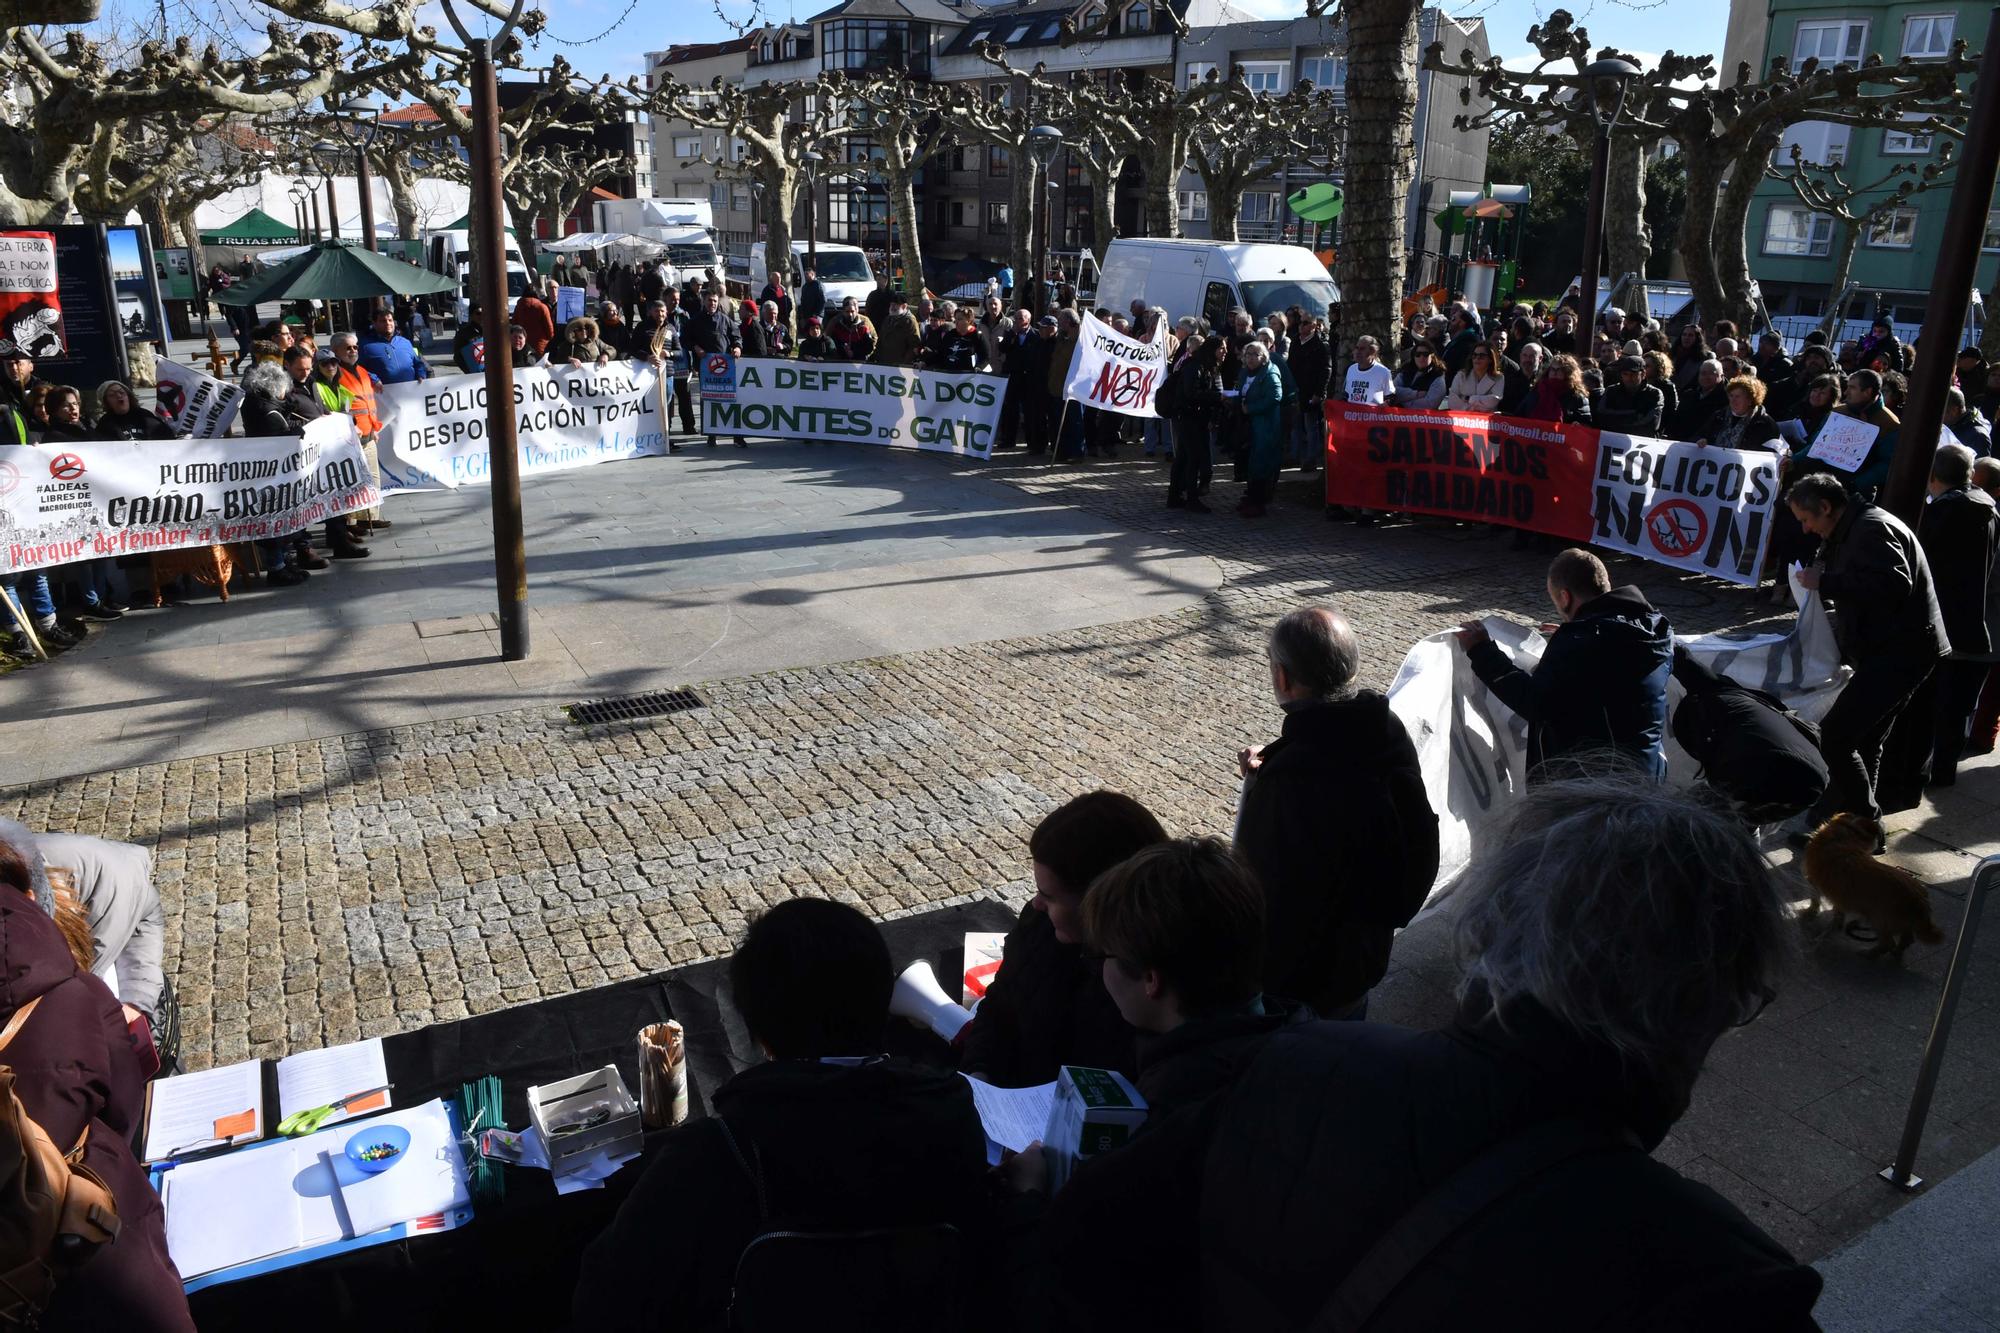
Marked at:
<point>515,1265</point>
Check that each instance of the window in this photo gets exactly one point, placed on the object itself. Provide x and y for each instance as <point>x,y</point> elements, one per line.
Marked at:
<point>1992,238</point>
<point>1259,206</point>
<point>1265,76</point>
<point>791,46</point>
<point>996,160</point>
<point>1197,70</point>
<point>718,196</point>
<point>1790,229</point>
<point>1194,205</point>
<point>1817,141</point>
<point>1907,143</point>
<point>996,219</point>
<point>865,45</point>
<point>687,145</point>
<point>1928,36</point>
<point>1323,72</point>
<point>858,216</point>
<point>1839,42</point>
<point>739,199</point>
<point>1018,34</point>
<point>767,52</point>
<point>737,148</point>
<point>1893,229</point>
<point>1139,18</point>
<point>958,212</point>
<point>963,158</point>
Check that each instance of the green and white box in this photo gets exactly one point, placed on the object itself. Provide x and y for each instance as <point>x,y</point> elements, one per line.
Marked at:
<point>1095,1110</point>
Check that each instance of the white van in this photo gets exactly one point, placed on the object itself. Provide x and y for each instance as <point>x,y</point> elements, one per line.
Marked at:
<point>843,270</point>
<point>1210,278</point>
<point>450,253</point>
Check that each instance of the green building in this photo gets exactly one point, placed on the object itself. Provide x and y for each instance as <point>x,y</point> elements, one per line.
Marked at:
<point>1794,251</point>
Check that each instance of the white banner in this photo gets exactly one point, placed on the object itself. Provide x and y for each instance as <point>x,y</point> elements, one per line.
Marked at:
<point>196,404</point>
<point>1117,373</point>
<point>902,406</point>
<point>1472,749</point>
<point>434,431</point>
<point>66,502</point>
<point>1685,505</point>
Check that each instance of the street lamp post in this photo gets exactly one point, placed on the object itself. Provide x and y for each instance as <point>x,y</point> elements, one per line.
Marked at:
<point>1608,82</point>
<point>1043,143</point>
<point>364,179</point>
<point>811,161</point>
<point>510,556</point>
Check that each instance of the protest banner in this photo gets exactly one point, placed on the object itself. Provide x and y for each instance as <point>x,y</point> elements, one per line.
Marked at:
<point>194,403</point>
<point>1472,465</point>
<point>899,406</point>
<point>30,306</point>
<point>1116,372</point>
<point>1472,749</point>
<point>1687,505</point>
<point>78,501</point>
<point>434,431</point>
<point>1843,442</point>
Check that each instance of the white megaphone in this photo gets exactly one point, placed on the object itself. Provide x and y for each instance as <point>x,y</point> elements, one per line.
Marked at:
<point>919,999</point>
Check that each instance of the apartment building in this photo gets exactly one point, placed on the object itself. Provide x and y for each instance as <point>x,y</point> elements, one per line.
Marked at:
<point>964,195</point>
<point>1793,249</point>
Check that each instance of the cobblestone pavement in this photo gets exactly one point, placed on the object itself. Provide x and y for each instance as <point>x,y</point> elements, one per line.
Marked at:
<point>324,890</point>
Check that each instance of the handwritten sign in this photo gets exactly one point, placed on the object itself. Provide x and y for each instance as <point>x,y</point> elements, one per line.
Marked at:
<point>1844,442</point>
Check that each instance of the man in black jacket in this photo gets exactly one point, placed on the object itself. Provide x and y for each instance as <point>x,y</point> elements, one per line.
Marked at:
<point>1960,535</point>
<point>1180,927</point>
<point>1601,686</point>
<point>1617,929</point>
<point>1334,820</point>
<point>302,404</point>
<point>1872,571</point>
<point>710,329</point>
<point>829,1135</point>
<point>1631,406</point>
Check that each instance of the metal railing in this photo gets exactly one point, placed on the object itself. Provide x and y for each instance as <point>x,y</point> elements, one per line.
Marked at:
<point>1899,1172</point>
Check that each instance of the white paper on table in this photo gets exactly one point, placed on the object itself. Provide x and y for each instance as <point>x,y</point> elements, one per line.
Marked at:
<point>227,1211</point>
<point>430,1177</point>
<point>317,1078</point>
<point>1844,442</point>
<point>1012,1117</point>
<point>182,1110</point>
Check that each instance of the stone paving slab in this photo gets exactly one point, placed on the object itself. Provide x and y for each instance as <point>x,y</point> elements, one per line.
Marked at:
<point>381,879</point>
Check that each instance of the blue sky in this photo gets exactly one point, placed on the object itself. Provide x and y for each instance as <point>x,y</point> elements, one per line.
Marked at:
<point>1689,26</point>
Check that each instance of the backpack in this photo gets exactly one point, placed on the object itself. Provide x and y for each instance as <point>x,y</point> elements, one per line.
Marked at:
<point>55,1213</point>
<point>1167,398</point>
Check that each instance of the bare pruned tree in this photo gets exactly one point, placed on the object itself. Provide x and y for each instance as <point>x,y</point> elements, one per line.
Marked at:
<point>1855,206</point>
<point>551,180</point>
<point>1249,137</point>
<point>906,121</point>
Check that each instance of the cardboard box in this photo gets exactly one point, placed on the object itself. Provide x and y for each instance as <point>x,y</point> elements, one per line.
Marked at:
<point>551,1106</point>
<point>1095,1110</point>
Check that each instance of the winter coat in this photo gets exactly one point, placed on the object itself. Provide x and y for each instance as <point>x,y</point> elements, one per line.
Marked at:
<point>263,415</point>
<point>1338,827</point>
<point>532,314</point>
<point>812,299</point>
<point>1756,431</point>
<point>898,340</point>
<point>1475,393</point>
<point>113,882</point>
<point>1960,534</point>
<point>1045,1008</point>
<point>1601,683</point>
<point>79,1075</point>
<point>1336,1130</point>
<point>133,424</point>
<point>1062,349</point>
<point>855,338</point>
<point>958,352</point>
<point>1697,410</point>
<point>1873,572</point>
<point>1312,367</point>
<point>760,339</point>
<point>1749,748</point>
<point>302,404</point>
<point>1419,388</point>
<point>1263,402</point>
<point>712,333</point>
<point>1974,431</point>
<point>1119,1246</point>
<point>1635,411</point>
<point>773,292</point>
<point>882,1144</point>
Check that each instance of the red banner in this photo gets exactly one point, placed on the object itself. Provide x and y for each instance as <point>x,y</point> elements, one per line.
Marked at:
<point>1467,465</point>
<point>30,309</point>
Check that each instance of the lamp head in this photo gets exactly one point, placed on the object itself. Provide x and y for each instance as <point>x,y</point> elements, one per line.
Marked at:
<point>1609,80</point>
<point>1043,143</point>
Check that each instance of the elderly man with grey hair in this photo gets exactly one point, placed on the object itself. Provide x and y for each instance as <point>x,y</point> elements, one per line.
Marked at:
<point>1335,821</point>
<point>1960,534</point>
<point>1609,934</point>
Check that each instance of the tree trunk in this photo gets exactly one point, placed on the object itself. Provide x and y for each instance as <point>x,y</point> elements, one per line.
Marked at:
<point>1731,225</point>
<point>1161,163</point>
<point>899,179</point>
<point>1381,129</point>
<point>1704,177</point>
<point>1224,207</point>
<point>1843,265</point>
<point>1104,208</point>
<point>394,169</point>
<point>781,196</point>
<point>1989,338</point>
<point>1628,242</point>
<point>1030,198</point>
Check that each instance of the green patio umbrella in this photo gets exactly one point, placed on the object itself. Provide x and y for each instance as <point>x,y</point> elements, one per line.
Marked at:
<point>337,271</point>
<point>254,230</point>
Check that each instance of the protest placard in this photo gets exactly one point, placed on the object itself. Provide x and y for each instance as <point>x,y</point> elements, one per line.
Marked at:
<point>1685,505</point>
<point>569,304</point>
<point>1524,474</point>
<point>1114,371</point>
<point>1843,442</point>
<point>77,501</point>
<point>434,431</point>
<point>194,403</point>
<point>900,406</point>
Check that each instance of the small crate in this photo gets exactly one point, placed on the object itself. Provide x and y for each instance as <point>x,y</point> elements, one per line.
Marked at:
<point>556,1104</point>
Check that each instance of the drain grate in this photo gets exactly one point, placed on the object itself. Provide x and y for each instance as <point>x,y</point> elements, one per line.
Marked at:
<point>631,707</point>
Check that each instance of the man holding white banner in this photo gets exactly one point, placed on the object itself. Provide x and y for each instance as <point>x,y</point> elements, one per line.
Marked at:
<point>1113,372</point>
